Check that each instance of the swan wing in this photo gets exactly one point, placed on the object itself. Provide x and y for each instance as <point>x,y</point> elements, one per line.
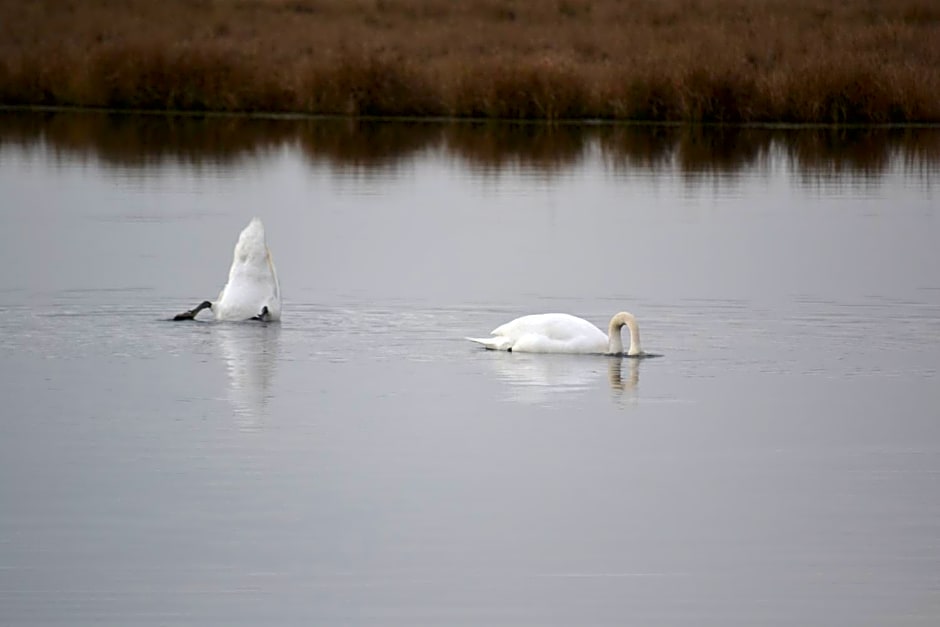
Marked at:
<point>274,303</point>
<point>547,333</point>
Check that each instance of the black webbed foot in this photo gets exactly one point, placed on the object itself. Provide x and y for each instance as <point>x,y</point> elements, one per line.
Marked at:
<point>192,313</point>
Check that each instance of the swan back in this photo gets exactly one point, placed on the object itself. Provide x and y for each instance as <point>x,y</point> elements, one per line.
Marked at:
<point>252,279</point>
<point>547,333</point>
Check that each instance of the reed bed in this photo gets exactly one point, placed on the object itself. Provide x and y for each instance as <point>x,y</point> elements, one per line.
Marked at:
<point>819,61</point>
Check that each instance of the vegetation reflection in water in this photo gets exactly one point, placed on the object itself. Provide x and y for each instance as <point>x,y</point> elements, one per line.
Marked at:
<point>140,140</point>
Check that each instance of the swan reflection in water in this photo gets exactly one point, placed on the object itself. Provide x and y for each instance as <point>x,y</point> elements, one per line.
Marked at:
<point>250,352</point>
<point>542,379</point>
<point>618,382</point>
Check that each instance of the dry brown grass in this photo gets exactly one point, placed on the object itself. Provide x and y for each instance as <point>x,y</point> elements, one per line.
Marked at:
<point>690,60</point>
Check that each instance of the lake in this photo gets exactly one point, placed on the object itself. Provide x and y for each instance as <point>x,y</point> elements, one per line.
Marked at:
<point>360,463</point>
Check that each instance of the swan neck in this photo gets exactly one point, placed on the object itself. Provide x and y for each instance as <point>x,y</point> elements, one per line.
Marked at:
<point>617,323</point>
<point>615,342</point>
<point>634,338</point>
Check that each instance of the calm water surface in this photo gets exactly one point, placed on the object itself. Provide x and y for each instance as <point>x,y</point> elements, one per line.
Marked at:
<point>361,464</point>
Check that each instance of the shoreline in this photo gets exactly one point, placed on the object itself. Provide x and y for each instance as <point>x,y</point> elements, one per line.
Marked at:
<point>763,62</point>
<point>446,120</point>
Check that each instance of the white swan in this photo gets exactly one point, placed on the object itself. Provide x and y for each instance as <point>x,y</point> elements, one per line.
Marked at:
<point>252,291</point>
<point>563,333</point>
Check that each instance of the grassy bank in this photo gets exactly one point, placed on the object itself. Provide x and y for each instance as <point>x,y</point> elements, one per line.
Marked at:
<point>829,61</point>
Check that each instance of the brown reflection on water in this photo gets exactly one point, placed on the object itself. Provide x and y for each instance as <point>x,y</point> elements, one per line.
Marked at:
<point>863,150</point>
<point>722,148</point>
<point>140,140</point>
<point>363,143</point>
<point>640,147</point>
<point>539,146</point>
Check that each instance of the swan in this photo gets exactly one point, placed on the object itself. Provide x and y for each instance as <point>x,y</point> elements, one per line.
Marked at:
<point>564,333</point>
<point>252,291</point>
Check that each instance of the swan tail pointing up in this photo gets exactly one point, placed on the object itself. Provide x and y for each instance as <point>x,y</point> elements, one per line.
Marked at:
<point>493,343</point>
<point>252,291</point>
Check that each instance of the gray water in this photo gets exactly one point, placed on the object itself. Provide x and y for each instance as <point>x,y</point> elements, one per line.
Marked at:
<point>359,463</point>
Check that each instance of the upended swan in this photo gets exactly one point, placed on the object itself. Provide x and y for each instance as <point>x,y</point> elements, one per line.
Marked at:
<point>252,291</point>
<point>564,333</point>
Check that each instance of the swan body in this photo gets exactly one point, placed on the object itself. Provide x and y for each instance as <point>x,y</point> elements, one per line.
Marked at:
<point>563,333</point>
<point>252,291</point>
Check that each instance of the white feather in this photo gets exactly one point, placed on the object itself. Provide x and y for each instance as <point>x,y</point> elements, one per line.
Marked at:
<point>252,280</point>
